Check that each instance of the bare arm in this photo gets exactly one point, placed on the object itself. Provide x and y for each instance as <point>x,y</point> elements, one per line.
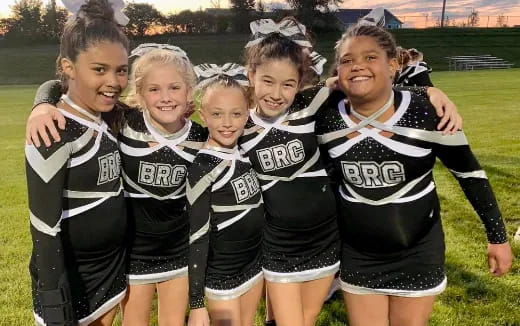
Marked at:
<point>40,122</point>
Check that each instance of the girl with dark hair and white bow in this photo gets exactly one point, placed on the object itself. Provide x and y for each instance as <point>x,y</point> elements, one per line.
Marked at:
<point>76,203</point>
<point>383,146</point>
<point>225,207</point>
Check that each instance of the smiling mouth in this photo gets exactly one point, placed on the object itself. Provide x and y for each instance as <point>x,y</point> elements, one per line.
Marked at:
<point>111,95</point>
<point>274,105</point>
<point>359,78</point>
<point>166,108</point>
<point>227,133</point>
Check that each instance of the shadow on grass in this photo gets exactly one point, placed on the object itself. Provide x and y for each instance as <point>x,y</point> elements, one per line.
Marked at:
<point>479,297</point>
<point>500,172</point>
<point>465,287</point>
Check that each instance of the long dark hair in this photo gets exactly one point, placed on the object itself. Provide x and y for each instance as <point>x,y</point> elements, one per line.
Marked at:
<point>93,23</point>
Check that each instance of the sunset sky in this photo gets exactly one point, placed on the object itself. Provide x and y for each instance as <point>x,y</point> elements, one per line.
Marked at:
<point>406,9</point>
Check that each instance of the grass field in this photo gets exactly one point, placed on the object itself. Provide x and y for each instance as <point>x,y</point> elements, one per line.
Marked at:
<point>489,102</point>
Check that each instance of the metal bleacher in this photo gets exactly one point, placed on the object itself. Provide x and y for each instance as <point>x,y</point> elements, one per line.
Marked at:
<point>473,62</point>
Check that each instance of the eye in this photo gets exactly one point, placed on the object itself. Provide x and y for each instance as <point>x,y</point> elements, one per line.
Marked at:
<point>175,87</point>
<point>267,82</point>
<point>371,58</point>
<point>216,114</point>
<point>153,89</point>
<point>345,61</point>
<point>289,85</point>
<point>237,114</point>
<point>123,71</point>
<point>100,69</point>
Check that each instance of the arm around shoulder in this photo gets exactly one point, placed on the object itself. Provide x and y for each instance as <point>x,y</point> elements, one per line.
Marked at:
<point>41,120</point>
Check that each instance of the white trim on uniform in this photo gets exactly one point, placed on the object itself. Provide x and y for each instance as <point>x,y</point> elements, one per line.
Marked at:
<point>354,289</point>
<point>303,276</point>
<point>136,279</point>
<point>231,294</point>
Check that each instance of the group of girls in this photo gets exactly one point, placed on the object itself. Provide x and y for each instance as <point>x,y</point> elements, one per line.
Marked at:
<point>209,214</point>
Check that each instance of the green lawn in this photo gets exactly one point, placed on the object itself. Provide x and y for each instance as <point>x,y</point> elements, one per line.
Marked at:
<point>489,102</point>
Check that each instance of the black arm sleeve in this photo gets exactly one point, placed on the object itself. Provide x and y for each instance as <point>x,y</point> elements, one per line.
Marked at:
<point>422,79</point>
<point>48,92</point>
<point>199,214</point>
<point>473,181</point>
<point>46,172</point>
<point>419,90</point>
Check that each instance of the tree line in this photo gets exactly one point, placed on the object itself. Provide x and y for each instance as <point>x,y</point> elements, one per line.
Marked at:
<point>32,21</point>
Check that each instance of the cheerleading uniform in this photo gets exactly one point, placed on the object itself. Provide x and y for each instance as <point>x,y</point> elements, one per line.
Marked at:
<point>301,239</point>
<point>154,172</point>
<point>78,224</point>
<point>226,215</point>
<point>390,224</point>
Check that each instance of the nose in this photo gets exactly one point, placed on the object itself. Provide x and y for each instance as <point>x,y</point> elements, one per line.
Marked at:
<point>357,67</point>
<point>227,120</point>
<point>276,93</point>
<point>165,96</point>
<point>113,80</point>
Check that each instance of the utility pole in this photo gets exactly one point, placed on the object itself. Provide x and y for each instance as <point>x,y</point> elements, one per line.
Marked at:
<point>443,12</point>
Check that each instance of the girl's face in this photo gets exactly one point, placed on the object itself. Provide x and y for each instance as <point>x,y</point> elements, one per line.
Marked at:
<point>225,112</point>
<point>276,83</point>
<point>98,76</point>
<point>365,71</point>
<point>166,96</point>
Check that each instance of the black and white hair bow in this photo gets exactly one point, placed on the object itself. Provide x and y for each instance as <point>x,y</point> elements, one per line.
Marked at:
<point>144,48</point>
<point>208,72</point>
<point>289,28</point>
<point>75,5</point>
<point>318,61</point>
<point>376,17</point>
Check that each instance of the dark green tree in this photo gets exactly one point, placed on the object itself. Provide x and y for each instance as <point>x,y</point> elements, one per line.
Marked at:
<point>53,20</point>
<point>243,11</point>
<point>203,22</point>
<point>308,9</point>
<point>221,24</point>
<point>142,16</point>
<point>26,21</point>
<point>5,25</point>
<point>185,20</point>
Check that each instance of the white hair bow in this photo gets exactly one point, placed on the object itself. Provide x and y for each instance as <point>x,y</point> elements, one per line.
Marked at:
<point>318,61</point>
<point>74,6</point>
<point>292,30</point>
<point>376,17</point>
<point>144,48</point>
<point>207,73</point>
